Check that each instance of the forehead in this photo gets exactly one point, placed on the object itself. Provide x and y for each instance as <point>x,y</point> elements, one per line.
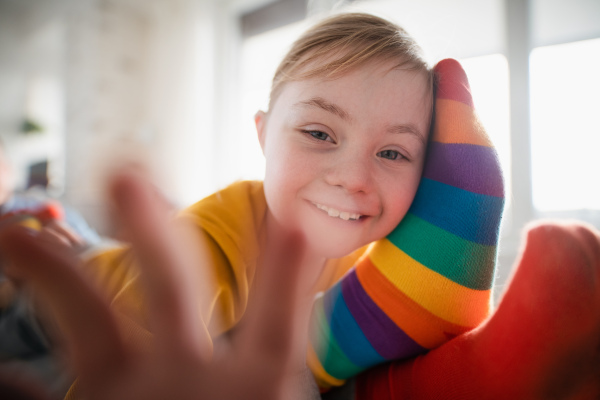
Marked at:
<point>379,92</point>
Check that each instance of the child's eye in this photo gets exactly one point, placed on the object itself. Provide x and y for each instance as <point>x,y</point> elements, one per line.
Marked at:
<point>319,135</point>
<point>390,155</point>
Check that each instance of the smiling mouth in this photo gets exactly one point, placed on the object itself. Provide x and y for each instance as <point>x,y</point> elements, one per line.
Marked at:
<point>332,212</point>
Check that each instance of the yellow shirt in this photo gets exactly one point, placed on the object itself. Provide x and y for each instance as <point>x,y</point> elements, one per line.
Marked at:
<point>230,222</point>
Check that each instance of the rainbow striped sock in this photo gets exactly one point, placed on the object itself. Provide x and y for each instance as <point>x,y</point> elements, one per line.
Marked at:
<point>431,278</point>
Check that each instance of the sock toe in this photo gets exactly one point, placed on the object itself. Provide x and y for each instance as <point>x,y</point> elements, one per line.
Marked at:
<point>452,82</point>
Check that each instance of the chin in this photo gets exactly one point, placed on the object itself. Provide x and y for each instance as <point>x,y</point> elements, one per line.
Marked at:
<point>329,248</point>
<point>331,238</point>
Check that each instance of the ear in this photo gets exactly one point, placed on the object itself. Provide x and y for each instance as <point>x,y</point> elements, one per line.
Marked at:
<point>260,120</point>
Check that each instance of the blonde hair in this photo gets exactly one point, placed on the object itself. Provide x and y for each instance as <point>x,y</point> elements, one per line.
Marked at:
<point>346,41</point>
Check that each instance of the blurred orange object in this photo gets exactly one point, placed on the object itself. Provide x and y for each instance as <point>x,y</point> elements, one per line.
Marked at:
<point>35,218</point>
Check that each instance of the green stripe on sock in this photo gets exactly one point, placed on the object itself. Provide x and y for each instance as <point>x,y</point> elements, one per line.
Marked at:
<point>467,263</point>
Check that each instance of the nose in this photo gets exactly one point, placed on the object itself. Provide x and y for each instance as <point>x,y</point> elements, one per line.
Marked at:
<point>350,170</point>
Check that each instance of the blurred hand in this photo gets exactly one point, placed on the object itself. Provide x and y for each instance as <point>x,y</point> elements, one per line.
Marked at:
<point>255,362</point>
<point>60,233</point>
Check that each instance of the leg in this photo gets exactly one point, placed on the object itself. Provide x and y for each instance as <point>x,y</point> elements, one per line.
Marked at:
<point>543,342</point>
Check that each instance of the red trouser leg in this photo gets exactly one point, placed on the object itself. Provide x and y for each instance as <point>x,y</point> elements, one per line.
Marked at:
<point>543,341</point>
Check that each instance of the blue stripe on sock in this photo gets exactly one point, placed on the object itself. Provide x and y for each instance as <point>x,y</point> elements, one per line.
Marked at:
<point>472,216</point>
<point>348,334</point>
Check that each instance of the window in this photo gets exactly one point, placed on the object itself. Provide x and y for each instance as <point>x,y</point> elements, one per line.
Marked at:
<point>488,78</point>
<point>565,134</point>
<point>261,55</point>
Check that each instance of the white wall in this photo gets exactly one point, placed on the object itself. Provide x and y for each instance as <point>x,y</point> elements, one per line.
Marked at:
<point>132,78</point>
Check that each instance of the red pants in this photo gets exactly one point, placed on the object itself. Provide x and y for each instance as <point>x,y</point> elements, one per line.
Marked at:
<point>542,342</point>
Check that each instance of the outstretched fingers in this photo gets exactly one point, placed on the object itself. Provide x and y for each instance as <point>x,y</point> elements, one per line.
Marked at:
<point>271,327</point>
<point>166,267</point>
<point>82,314</point>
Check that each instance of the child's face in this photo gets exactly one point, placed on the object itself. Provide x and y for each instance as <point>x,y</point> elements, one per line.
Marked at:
<point>344,156</point>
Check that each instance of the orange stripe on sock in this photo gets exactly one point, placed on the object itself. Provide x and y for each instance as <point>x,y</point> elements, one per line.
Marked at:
<point>460,124</point>
<point>434,292</point>
<point>422,326</point>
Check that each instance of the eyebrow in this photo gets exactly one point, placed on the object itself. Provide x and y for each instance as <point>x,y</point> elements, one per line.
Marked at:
<point>323,104</point>
<point>408,128</point>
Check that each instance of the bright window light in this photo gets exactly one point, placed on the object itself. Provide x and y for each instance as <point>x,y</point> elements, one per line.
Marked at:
<point>261,55</point>
<point>565,133</point>
<point>488,78</point>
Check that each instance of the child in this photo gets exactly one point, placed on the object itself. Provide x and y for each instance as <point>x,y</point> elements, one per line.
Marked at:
<point>345,141</point>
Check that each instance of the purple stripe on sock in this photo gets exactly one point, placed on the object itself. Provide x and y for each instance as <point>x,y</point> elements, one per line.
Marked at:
<point>467,166</point>
<point>384,335</point>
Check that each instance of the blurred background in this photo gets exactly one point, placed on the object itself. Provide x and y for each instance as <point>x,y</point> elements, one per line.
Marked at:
<point>176,83</point>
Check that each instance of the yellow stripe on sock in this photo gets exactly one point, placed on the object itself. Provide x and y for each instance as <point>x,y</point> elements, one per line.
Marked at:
<point>434,292</point>
<point>422,326</point>
<point>323,379</point>
<point>461,124</point>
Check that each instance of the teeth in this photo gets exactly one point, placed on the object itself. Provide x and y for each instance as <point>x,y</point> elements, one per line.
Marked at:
<point>332,212</point>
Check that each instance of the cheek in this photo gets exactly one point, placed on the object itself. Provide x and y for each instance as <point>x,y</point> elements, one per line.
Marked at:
<point>286,174</point>
<point>289,165</point>
<point>282,173</point>
<point>401,200</point>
